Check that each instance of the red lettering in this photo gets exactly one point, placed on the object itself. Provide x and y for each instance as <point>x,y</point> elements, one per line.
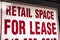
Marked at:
<point>55,39</point>
<point>23,12</point>
<point>43,38</point>
<point>44,14</point>
<point>30,38</point>
<point>52,15</point>
<point>48,14</point>
<point>8,10</point>
<point>6,25</point>
<point>29,13</point>
<point>19,11</point>
<point>25,38</point>
<point>49,28</point>
<point>13,10</point>
<point>34,39</point>
<point>22,27</point>
<point>37,27</point>
<point>31,32</point>
<point>41,13</point>
<point>14,24</point>
<point>43,28</point>
<point>16,39</point>
<point>47,38</point>
<point>37,15</point>
<point>53,28</point>
<point>6,39</point>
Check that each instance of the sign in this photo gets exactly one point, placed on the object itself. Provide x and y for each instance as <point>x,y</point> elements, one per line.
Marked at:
<point>27,22</point>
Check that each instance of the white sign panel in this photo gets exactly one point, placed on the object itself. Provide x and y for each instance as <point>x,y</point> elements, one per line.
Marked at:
<point>27,22</point>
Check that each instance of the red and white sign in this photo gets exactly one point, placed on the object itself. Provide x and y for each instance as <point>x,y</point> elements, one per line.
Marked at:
<point>27,22</point>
